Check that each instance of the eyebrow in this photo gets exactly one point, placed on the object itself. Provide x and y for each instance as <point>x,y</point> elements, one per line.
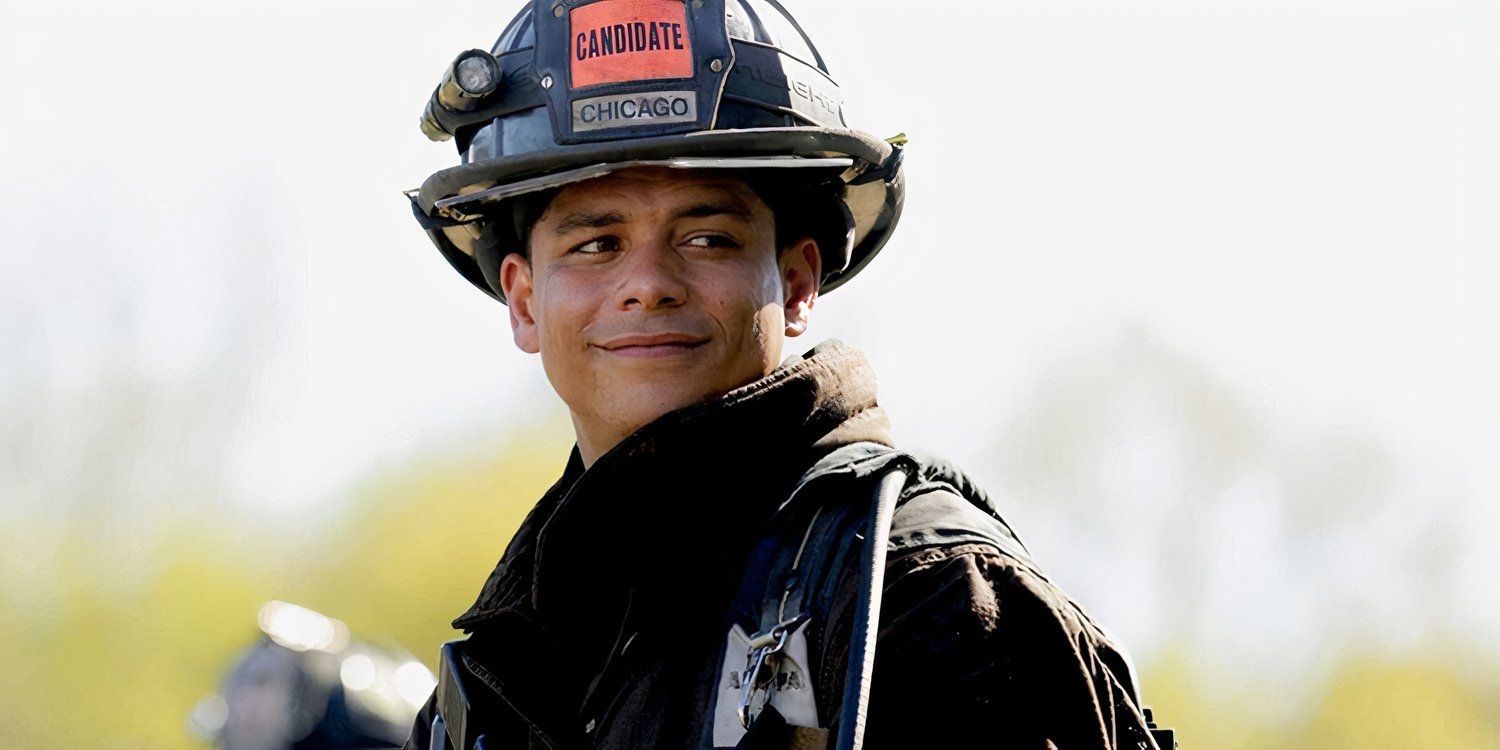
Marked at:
<point>588,221</point>
<point>575,221</point>
<point>703,210</point>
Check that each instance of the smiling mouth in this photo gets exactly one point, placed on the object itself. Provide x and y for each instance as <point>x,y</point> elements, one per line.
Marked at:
<point>655,350</point>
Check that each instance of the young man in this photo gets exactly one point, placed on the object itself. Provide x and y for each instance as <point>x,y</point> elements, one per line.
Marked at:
<point>659,190</point>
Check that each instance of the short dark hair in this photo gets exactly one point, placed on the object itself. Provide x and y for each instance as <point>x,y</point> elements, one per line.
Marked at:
<point>799,208</point>
<point>525,211</point>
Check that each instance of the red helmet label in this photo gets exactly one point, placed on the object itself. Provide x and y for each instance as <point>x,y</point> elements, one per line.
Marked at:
<point>614,41</point>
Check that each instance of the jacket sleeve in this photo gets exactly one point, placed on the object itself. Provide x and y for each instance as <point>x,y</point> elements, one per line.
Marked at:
<point>977,650</point>
<point>421,728</point>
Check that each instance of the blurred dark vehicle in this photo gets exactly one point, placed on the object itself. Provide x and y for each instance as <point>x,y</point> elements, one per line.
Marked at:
<point>306,685</point>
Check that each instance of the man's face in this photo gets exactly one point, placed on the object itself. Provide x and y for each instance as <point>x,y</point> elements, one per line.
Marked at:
<point>650,289</point>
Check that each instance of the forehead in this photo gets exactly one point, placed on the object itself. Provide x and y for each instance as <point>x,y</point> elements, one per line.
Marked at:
<point>655,188</point>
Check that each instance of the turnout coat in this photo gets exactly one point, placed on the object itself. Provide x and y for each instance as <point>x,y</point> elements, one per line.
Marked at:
<point>618,615</point>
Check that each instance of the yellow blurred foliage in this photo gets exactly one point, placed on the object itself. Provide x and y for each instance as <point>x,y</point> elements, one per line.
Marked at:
<point>1382,705</point>
<point>1370,702</point>
<point>91,657</point>
<point>419,543</point>
<point>101,667</point>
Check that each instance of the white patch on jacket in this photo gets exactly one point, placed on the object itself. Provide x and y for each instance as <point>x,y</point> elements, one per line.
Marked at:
<point>791,691</point>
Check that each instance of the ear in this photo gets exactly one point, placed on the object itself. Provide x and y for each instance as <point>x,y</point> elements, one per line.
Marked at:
<point>515,284</point>
<point>801,267</point>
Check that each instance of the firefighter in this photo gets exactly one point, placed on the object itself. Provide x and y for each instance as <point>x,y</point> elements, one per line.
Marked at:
<point>737,553</point>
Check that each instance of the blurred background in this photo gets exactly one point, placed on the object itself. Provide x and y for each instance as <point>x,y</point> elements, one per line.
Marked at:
<point>1207,292</point>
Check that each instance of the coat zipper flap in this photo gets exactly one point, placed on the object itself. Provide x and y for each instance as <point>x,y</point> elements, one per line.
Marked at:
<point>481,661</point>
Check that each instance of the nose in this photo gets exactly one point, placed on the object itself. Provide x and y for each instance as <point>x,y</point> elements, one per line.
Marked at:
<point>652,276</point>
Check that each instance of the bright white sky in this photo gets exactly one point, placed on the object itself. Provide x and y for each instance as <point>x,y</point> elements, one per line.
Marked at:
<point>1298,198</point>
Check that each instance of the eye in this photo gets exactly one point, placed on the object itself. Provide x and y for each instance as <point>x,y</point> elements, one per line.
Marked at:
<point>608,243</point>
<point>711,240</point>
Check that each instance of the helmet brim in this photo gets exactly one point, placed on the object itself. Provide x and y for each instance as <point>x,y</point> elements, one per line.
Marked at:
<point>450,204</point>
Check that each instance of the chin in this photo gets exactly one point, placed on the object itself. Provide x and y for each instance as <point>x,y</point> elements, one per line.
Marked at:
<point>649,401</point>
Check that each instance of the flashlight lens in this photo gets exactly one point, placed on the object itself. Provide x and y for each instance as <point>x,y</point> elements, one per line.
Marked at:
<point>476,74</point>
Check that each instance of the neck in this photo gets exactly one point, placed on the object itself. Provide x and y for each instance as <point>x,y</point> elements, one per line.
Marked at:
<point>593,443</point>
<point>596,437</point>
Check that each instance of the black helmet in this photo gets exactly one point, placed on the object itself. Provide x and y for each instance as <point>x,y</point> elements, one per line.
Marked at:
<point>575,89</point>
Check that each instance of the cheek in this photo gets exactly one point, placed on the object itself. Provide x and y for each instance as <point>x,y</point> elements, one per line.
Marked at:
<point>563,312</point>
<point>564,299</point>
<point>771,277</point>
<point>752,286</point>
<point>747,305</point>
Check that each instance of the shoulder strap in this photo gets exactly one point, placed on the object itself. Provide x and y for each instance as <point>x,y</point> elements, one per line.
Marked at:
<point>812,558</point>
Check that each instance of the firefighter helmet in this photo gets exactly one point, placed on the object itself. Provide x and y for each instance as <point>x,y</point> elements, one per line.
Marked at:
<point>575,89</point>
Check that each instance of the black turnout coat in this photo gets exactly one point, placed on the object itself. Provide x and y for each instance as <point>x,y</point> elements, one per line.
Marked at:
<point>608,621</point>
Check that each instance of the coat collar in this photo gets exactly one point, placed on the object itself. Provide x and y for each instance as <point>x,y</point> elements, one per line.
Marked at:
<point>667,500</point>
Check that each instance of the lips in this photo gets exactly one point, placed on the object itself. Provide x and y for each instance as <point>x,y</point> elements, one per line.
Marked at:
<point>668,340</point>
<point>653,346</point>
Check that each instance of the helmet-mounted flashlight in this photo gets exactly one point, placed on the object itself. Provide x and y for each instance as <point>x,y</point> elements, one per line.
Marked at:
<point>472,77</point>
